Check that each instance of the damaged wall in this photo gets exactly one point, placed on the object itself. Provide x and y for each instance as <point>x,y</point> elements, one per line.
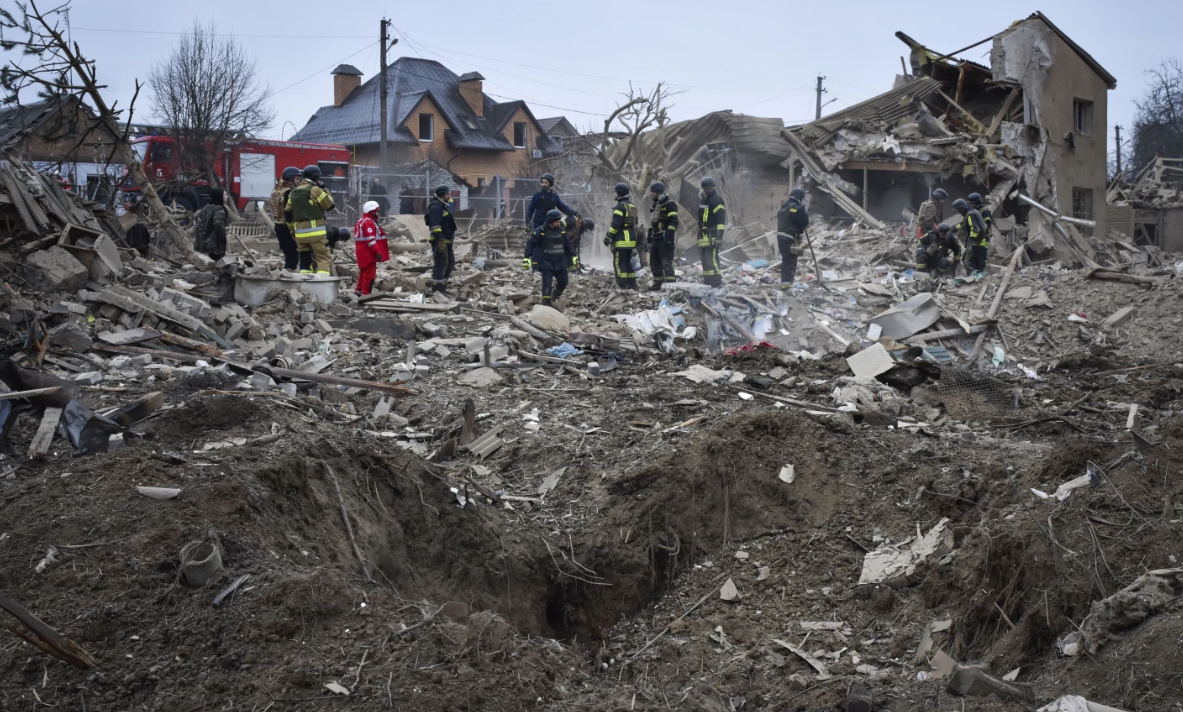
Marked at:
<point>1054,76</point>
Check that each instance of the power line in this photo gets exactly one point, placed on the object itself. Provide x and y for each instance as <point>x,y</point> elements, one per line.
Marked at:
<point>322,71</point>
<point>222,34</point>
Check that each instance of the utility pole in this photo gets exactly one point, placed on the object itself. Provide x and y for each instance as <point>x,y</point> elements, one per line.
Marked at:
<point>1118,129</point>
<point>820,91</point>
<point>382,93</point>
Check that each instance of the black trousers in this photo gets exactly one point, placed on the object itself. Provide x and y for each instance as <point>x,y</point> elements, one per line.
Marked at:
<point>712,275</point>
<point>661,261</point>
<point>443,261</point>
<point>622,262</point>
<point>554,277</point>
<point>977,258</point>
<point>788,260</point>
<point>287,243</point>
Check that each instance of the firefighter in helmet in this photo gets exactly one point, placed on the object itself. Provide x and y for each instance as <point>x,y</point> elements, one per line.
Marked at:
<point>308,203</point>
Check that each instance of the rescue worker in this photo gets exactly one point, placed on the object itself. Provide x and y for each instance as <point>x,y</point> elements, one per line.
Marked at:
<point>307,204</point>
<point>210,234</point>
<point>283,228</point>
<point>663,230</point>
<point>441,220</point>
<point>712,223</point>
<point>545,200</point>
<point>370,246</point>
<point>938,251</point>
<point>971,229</point>
<point>576,228</point>
<point>622,237</point>
<point>975,202</point>
<point>791,221</point>
<point>552,253</point>
<point>931,213</point>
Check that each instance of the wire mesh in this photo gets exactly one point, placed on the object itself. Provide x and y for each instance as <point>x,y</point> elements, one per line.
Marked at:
<point>968,395</point>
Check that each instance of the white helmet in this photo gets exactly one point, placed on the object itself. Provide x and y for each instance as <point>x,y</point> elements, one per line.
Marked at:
<point>369,207</point>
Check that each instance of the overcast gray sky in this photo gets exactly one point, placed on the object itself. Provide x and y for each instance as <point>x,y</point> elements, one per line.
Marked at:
<point>758,57</point>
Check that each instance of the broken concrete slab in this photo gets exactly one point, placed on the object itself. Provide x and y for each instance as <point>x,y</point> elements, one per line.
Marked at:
<point>1020,293</point>
<point>975,681</point>
<point>908,318</point>
<point>1119,318</point>
<point>483,377</point>
<point>71,336</point>
<point>55,270</point>
<point>871,361</point>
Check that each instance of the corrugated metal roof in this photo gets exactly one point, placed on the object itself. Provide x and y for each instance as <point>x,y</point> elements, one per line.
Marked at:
<point>879,112</point>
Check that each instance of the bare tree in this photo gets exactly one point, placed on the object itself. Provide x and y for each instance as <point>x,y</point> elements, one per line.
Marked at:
<point>619,151</point>
<point>55,66</point>
<point>208,92</point>
<point>1158,126</point>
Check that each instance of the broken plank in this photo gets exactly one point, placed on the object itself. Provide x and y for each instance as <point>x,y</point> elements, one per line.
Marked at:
<point>412,306</point>
<point>334,380</point>
<point>191,344</point>
<point>130,336</point>
<point>44,435</point>
<point>14,395</point>
<point>47,638</point>
<point>973,120</point>
<point>1003,112</point>
<point>154,353</point>
<point>946,334</point>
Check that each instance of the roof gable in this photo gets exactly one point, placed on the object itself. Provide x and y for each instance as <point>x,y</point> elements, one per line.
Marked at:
<point>1093,64</point>
<point>356,121</point>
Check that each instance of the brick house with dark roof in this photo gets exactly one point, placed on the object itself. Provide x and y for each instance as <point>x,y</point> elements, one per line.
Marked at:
<point>58,134</point>
<point>434,115</point>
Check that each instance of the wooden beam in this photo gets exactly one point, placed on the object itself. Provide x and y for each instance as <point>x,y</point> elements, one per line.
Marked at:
<point>14,395</point>
<point>44,435</point>
<point>47,638</point>
<point>1003,112</point>
<point>972,120</point>
<point>903,166</point>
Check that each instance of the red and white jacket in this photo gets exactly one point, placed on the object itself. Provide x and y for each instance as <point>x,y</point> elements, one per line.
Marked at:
<point>369,236</point>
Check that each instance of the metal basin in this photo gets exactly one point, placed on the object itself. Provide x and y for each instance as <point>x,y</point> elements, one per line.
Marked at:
<point>252,291</point>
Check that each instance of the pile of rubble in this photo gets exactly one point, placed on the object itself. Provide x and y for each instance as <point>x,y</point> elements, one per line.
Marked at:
<point>480,501</point>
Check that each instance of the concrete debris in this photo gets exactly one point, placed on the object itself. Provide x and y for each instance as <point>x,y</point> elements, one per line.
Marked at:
<point>548,319</point>
<point>55,270</point>
<point>481,378</point>
<point>895,566</point>
<point>1148,595</point>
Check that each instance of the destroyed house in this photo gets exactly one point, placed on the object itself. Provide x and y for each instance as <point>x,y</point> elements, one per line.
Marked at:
<point>59,134</point>
<point>433,114</point>
<point>1034,122</point>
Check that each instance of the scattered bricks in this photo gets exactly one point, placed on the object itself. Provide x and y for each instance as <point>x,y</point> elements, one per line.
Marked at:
<point>89,378</point>
<point>286,329</point>
<point>55,270</point>
<point>593,369</point>
<point>323,326</point>
<point>273,329</point>
<point>308,330</point>
<point>262,381</point>
<point>200,262</point>
<point>235,330</point>
<point>266,350</point>
<point>382,408</point>
<point>71,336</point>
<point>306,318</point>
<point>130,321</point>
<point>255,334</point>
<point>186,303</point>
<point>309,307</point>
<point>227,261</point>
<point>284,345</point>
<point>443,351</point>
<point>432,330</point>
<point>858,699</point>
<point>422,371</point>
<point>340,310</point>
<point>304,344</point>
<point>1119,317</point>
<point>140,361</point>
<point>289,390</point>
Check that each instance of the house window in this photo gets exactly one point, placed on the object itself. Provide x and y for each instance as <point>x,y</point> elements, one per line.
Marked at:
<point>480,182</point>
<point>1082,117</point>
<point>1082,205</point>
<point>426,127</point>
<point>519,134</point>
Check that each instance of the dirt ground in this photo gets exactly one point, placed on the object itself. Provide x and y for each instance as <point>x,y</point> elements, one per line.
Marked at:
<point>602,591</point>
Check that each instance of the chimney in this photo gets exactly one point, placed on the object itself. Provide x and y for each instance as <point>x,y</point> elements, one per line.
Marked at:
<point>346,78</point>
<point>472,91</point>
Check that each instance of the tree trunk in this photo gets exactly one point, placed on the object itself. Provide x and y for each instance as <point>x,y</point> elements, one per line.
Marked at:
<point>176,240</point>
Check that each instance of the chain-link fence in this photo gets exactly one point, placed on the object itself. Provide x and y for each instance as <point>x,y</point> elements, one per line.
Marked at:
<point>970,396</point>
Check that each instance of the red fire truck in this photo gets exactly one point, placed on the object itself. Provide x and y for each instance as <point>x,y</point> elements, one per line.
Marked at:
<point>247,168</point>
